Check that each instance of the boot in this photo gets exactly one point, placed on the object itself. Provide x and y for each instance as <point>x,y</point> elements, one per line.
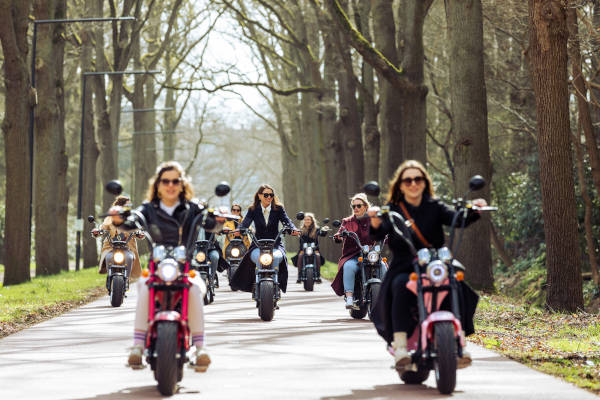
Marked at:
<point>466,359</point>
<point>401,356</point>
<point>135,356</point>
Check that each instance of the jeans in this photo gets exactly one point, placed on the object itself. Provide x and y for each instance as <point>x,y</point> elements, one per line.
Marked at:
<point>214,262</point>
<point>350,271</point>
<point>277,257</point>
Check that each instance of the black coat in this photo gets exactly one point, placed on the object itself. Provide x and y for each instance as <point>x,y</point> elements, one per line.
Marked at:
<point>166,229</point>
<point>429,217</point>
<point>307,239</point>
<point>245,275</point>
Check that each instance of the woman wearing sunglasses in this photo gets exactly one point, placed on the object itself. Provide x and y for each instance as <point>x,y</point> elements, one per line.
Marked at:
<point>343,284</point>
<point>169,213</point>
<point>411,195</point>
<point>265,213</point>
<point>236,209</point>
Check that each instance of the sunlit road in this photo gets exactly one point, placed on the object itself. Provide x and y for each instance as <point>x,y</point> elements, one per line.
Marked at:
<point>311,350</point>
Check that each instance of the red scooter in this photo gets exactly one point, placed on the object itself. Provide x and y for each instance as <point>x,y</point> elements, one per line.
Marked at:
<point>168,337</point>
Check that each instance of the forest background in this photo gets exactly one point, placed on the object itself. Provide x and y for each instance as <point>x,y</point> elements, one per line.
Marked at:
<point>316,98</point>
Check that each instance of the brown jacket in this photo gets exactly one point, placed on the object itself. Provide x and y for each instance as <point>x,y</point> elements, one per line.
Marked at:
<point>136,268</point>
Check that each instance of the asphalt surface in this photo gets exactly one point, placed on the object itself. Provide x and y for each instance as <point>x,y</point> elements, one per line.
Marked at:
<point>311,350</point>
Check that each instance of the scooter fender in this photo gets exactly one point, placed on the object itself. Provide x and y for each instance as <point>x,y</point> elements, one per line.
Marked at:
<point>373,280</point>
<point>428,325</point>
<point>171,316</point>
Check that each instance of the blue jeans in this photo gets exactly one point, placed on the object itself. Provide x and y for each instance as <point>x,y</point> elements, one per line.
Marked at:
<point>214,262</point>
<point>350,271</point>
<point>277,257</point>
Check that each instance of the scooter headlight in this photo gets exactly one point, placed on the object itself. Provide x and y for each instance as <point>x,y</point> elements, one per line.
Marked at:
<point>159,253</point>
<point>423,256</point>
<point>235,252</point>
<point>309,251</point>
<point>437,272</point>
<point>168,270</point>
<point>201,256</point>
<point>266,259</point>
<point>373,257</point>
<point>119,257</point>
<point>179,254</point>
<point>444,254</point>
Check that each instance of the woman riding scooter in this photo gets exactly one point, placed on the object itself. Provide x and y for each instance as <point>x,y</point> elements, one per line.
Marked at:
<point>114,224</point>
<point>169,213</point>
<point>309,234</point>
<point>411,195</point>
<point>266,213</point>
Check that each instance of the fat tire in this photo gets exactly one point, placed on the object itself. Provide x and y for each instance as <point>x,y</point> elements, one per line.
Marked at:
<point>373,293</point>
<point>266,301</point>
<point>445,363</point>
<point>117,290</point>
<point>309,282</point>
<point>167,364</point>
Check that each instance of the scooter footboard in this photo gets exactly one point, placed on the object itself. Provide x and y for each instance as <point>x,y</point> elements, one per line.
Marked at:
<point>436,317</point>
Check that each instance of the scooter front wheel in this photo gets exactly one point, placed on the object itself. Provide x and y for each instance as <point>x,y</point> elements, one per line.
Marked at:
<point>445,362</point>
<point>266,300</point>
<point>117,290</point>
<point>166,360</point>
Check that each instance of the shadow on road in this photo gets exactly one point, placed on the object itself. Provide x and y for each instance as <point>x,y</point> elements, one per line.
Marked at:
<point>140,392</point>
<point>392,392</point>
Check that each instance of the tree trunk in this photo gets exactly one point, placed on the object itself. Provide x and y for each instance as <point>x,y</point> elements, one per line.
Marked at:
<point>14,21</point>
<point>414,105</point>
<point>90,147</point>
<point>49,149</point>
<point>370,130</point>
<point>390,99</point>
<point>585,116</point>
<point>548,57</point>
<point>469,110</point>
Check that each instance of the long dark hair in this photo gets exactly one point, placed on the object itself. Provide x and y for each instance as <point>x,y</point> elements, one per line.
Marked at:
<point>311,230</point>
<point>395,194</point>
<point>186,194</point>
<point>276,203</point>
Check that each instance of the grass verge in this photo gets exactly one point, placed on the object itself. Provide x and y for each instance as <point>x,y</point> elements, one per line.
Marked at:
<point>564,345</point>
<point>46,297</point>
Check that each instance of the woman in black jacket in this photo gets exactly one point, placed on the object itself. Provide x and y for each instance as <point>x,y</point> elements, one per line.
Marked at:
<point>169,213</point>
<point>411,195</point>
<point>266,213</point>
<point>309,233</point>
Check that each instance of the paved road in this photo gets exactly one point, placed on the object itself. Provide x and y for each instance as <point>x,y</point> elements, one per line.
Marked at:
<point>311,350</point>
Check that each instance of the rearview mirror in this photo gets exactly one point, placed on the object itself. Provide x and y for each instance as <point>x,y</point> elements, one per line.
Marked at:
<point>114,187</point>
<point>300,216</point>
<point>222,189</point>
<point>326,221</point>
<point>372,188</point>
<point>91,218</point>
<point>336,223</point>
<point>476,183</point>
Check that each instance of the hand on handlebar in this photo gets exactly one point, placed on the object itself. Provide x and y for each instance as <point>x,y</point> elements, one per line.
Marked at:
<point>479,203</point>
<point>373,213</point>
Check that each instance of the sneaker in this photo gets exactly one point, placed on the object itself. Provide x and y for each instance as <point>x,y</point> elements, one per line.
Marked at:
<point>464,361</point>
<point>401,359</point>
<point>349,303</point>
<point>135,356</point>
<point>202,360</point>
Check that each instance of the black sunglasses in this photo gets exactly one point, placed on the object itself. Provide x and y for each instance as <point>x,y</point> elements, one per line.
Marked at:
<point>267,195</point>
<point>356,206</point>
<point>416,179</point>
<point>236,210</point>
<point>166,181</point>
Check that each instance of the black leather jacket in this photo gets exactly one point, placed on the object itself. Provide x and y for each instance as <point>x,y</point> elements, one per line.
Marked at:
<point>166,229</point>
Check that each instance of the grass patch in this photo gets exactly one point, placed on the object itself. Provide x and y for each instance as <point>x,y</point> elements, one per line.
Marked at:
<point>46,297</point>
<point>564,345</point>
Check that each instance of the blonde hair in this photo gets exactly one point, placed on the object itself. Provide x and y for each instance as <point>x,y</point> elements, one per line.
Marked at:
<point>395,194</point>
<point>186,194</point>
<point>363,198</point>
